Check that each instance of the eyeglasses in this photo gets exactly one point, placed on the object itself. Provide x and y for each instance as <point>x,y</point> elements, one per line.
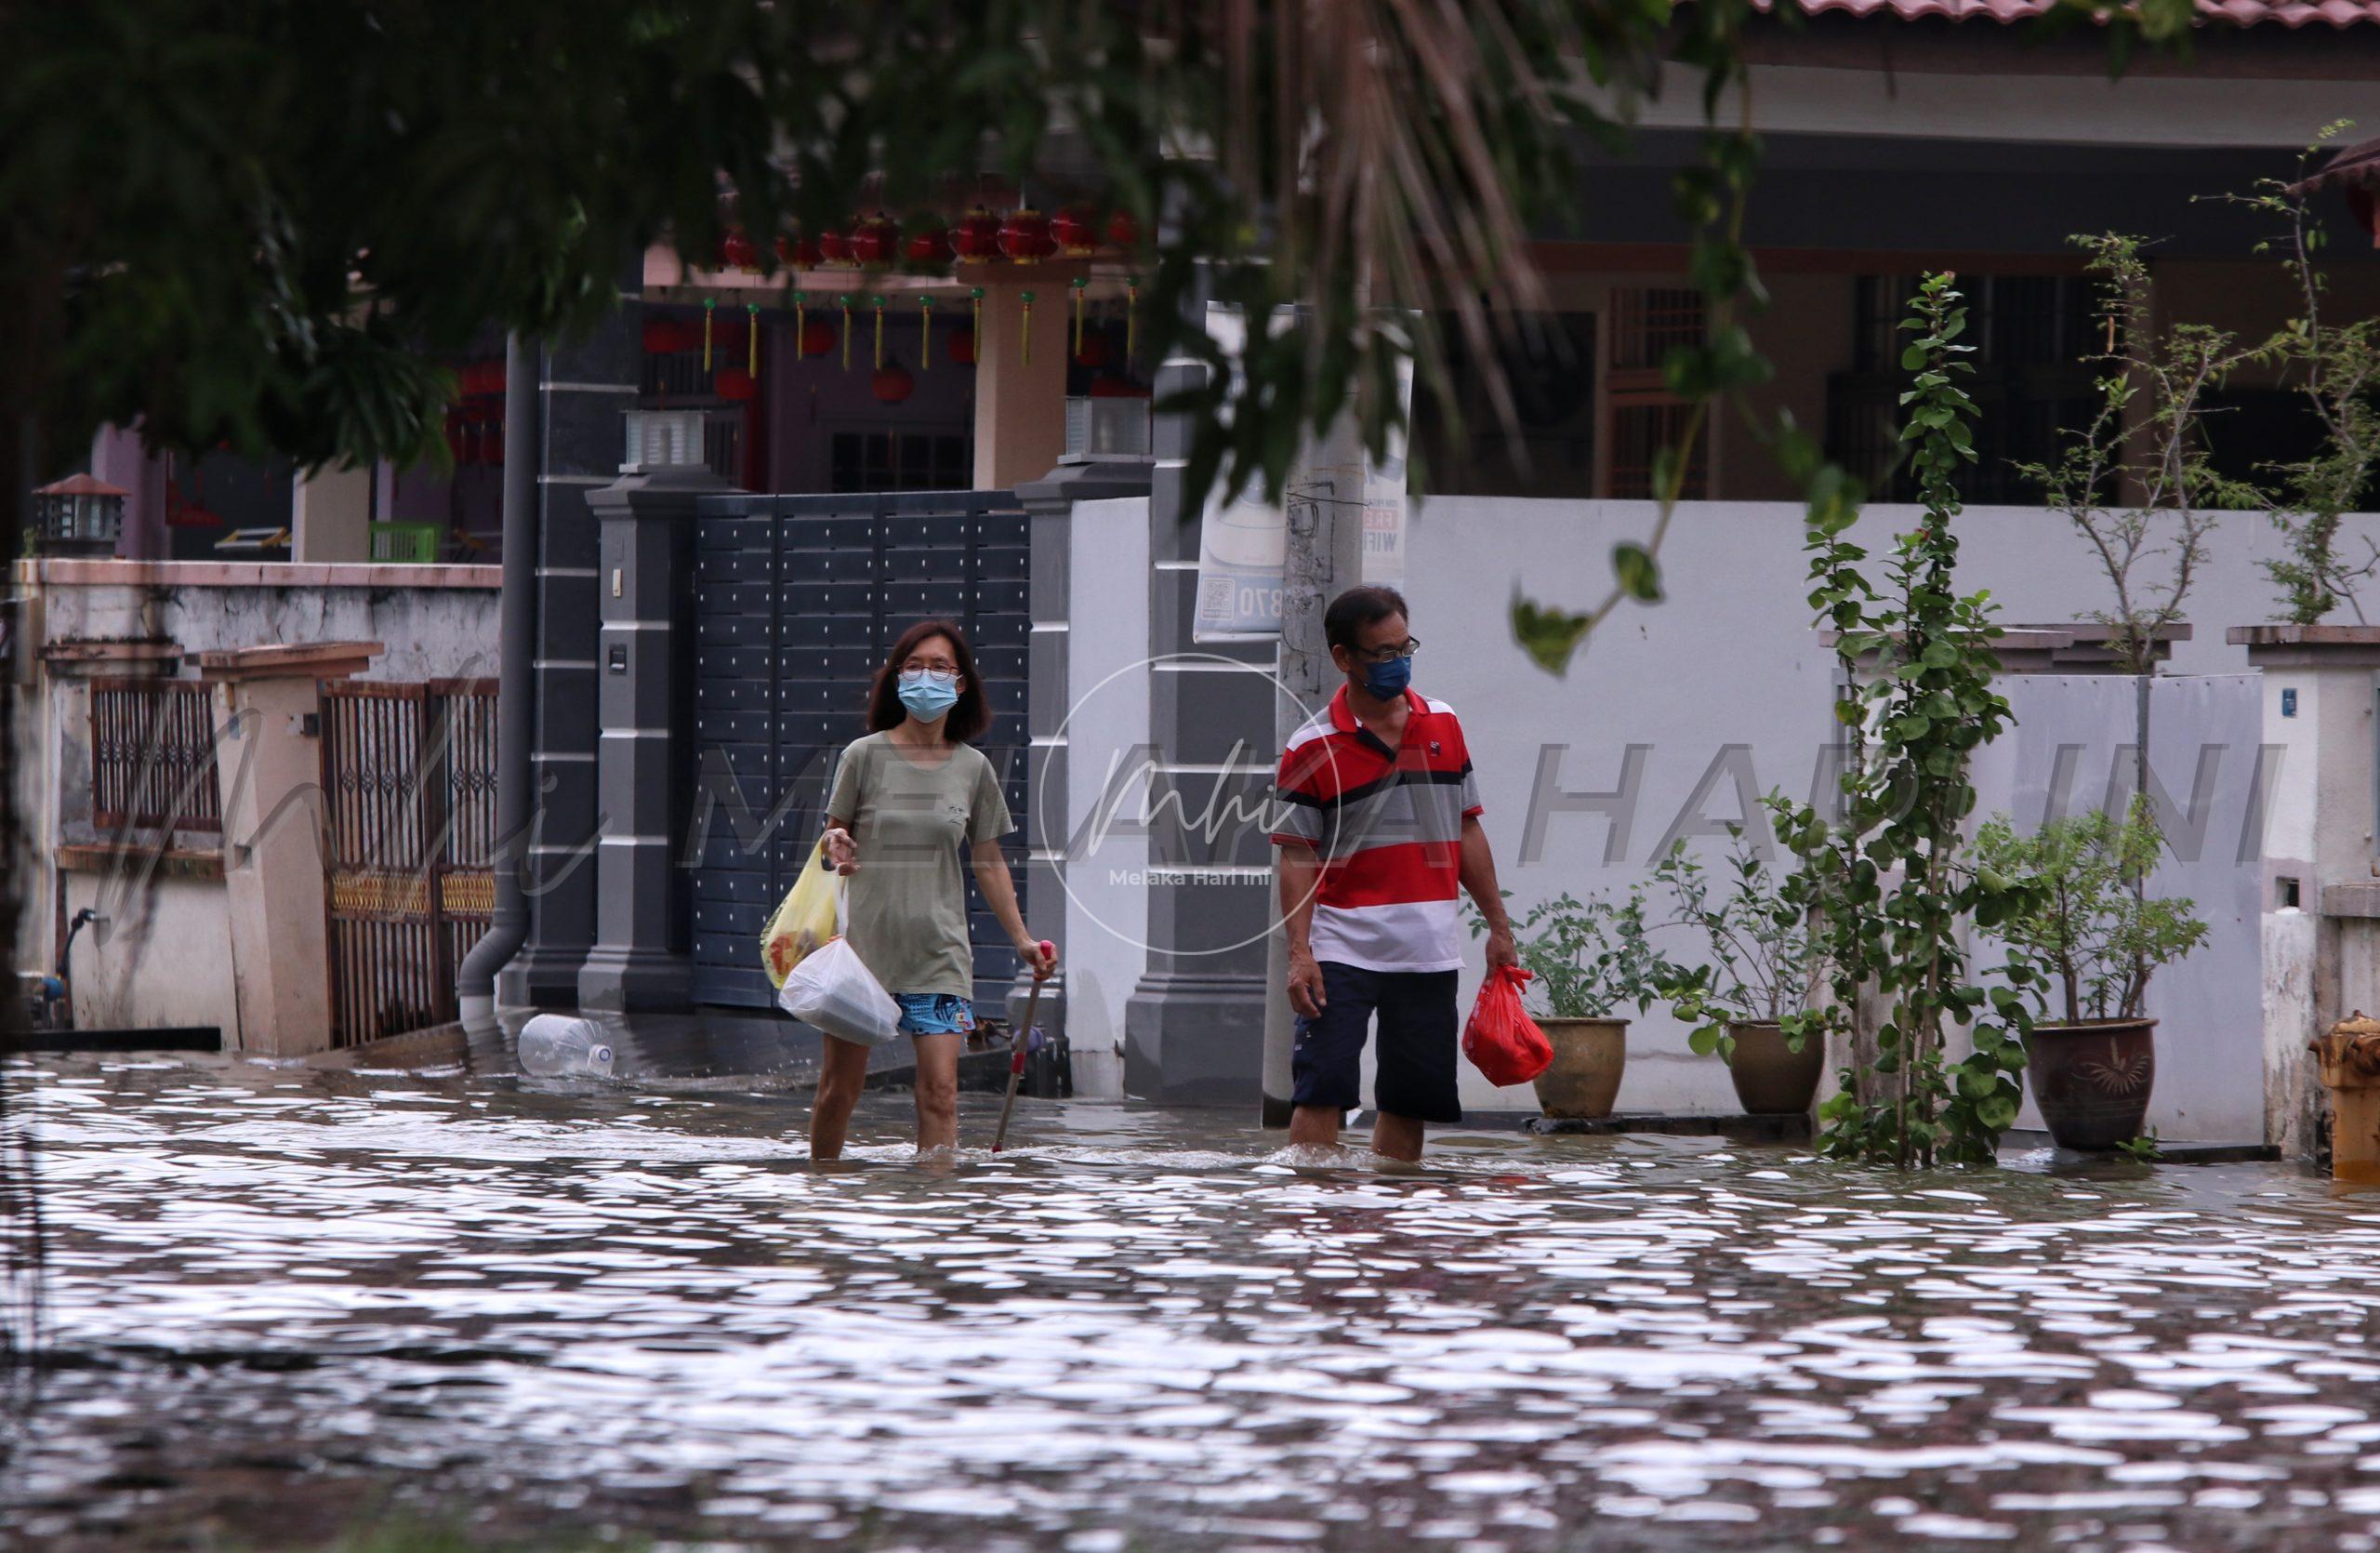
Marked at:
<point>1386,655</point>
<point>930,675</point>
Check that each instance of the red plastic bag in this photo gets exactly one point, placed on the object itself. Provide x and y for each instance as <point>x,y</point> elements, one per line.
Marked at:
<point>1502,1039</point>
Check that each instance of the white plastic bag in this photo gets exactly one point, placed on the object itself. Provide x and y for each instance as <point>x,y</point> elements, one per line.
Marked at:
<point>833,991</point>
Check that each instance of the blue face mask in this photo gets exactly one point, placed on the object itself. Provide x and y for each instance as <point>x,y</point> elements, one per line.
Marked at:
<point>1387,681</point>
<point>926,696</point>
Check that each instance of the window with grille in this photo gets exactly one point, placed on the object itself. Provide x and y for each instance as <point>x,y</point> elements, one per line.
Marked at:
<point>899,461</point>
<point>1643,416</point>
<point>2030,333</point>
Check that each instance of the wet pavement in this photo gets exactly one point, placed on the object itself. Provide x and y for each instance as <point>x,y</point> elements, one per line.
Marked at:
<point>289,1302</point>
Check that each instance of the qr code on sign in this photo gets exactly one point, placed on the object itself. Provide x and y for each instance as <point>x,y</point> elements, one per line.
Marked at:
<point>1214,599</point>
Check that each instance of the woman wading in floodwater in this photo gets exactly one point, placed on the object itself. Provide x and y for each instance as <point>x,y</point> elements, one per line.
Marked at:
<point>905,798</point>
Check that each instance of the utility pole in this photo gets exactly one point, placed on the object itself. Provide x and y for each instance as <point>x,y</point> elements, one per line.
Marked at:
<point>1324,504</point>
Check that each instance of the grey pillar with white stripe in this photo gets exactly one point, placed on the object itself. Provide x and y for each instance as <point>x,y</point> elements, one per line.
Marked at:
<point>643,927</point>
<point>582,388</point>
<point>1195,1026</point>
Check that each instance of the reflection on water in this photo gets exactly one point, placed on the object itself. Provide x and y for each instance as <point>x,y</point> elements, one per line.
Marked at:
<point>285,1298</point>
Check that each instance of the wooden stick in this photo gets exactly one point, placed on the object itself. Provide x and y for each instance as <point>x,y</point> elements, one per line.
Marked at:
<point>1016,1046</point>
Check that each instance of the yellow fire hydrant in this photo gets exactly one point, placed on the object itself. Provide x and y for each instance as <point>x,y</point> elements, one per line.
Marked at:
<point>2350,1056</point>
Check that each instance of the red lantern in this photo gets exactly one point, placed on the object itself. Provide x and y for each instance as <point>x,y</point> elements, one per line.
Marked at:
<point>976,238</point>
<point>962,346</point>
<point>892,382</point>
<point>834,248</point>
<point>817,340</point>
<point>1093,352</point>
<point>734,384</point>
<point>737,251</point>
<point>1123,232</point>
<point>1024,236</point>
<point>799,252</point>
<point>876,240</point>
<point>1114,385</point>
<point>930,249</point>
<point>1073,234</point>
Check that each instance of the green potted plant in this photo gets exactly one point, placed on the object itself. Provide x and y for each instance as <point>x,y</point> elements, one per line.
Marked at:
<point>2098,936</point>
<point>1586,959</point>
<point>1751,1001</point>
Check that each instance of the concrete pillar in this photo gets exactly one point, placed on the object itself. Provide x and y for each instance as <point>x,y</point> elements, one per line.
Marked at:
<point>582,388</point>
<point>645,700</point>
<point>1194,1026</point>
<point>1021,405</point>
<point>1050,503</point>
<point>332,513</point>
<point>270,768</point>
<point>2320,793</point>
<point>118,458</point>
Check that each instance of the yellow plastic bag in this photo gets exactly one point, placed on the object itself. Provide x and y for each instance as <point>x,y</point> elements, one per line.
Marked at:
<point>804,921</point>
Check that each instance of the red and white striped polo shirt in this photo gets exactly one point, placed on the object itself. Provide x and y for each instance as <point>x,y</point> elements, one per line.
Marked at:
<point>1387,824</point>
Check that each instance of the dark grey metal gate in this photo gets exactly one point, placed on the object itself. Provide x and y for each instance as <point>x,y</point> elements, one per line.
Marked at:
<point>797,600</point>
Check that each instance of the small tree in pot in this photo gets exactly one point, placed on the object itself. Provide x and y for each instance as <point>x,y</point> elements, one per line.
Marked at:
<point>1587,960</point>
<point>1751,1001</point>
<point>2098,936</point>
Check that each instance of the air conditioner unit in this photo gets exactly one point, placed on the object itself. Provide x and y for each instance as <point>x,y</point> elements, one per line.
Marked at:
<point>661,438</point>
<point>1103,427</point>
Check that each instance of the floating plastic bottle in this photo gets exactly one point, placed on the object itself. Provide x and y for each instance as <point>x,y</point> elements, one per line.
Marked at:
<point>559,1046</point>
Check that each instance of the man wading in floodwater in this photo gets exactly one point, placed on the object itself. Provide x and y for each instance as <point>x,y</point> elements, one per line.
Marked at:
<point>1378,823</point>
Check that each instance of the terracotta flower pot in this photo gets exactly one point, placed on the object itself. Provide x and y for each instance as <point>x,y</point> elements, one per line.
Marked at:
<point>1770,1079</point>
<point>1584,1077</point>
<point>2092,1080</point>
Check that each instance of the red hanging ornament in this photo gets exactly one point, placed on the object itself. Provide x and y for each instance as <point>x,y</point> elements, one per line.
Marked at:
<point>930,249</point>
<point>891,383</point>
<point>817,340</point>
<point>736,385</point>
<point>961,346</point>
<point>976,238</point>
<point>1024,236</point>
<point>876,240</point>
<point>1072,229</point>
<point>834,248</point>
<point>738,252</point>
<point>1123,232</point>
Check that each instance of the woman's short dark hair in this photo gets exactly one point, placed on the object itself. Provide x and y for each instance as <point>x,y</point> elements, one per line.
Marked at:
<point>1358,608</point>
<point>967,718</point>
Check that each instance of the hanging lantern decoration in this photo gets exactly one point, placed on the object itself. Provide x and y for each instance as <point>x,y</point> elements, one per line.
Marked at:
<point>752,328</point>
<point>1072,229</point>
<point>1123,232</point>
<point>930,249</point>
<point>843,302</point>
<point>738,251</point>
<point>1026,297</point>
<point>710,306</point>
<point>1132,318</point>
<point>818,338</point>
<point>962,347</point>
<point>925,334</point>
<point>834,248</point>
<point>877,303</point>
<point>801,300</point>
<point>891,384</point>
<point>876,241</point>
<point>1081,287</point>
<point>976,238</point>
<point>736,385</point>
<point>799,253</point>
<point>1024,236</point>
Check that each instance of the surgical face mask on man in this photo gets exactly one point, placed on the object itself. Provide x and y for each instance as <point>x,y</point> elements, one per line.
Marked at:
<point>1387,681</point>
<point>928,693</point>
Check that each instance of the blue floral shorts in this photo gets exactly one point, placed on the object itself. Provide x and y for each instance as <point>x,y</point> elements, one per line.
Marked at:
<point>934,1013</point>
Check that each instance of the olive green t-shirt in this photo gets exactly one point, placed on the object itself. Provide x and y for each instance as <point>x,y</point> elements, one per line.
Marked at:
<point>907,904</point>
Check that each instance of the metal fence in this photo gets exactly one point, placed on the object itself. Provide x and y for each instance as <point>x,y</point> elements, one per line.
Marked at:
<point>152,755</point>
<point>409,822</point>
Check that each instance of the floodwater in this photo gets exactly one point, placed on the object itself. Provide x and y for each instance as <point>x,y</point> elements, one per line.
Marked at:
<point>288,1304</point>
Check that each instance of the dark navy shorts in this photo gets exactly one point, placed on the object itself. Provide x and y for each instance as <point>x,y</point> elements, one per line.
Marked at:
<point>1416,1075</point>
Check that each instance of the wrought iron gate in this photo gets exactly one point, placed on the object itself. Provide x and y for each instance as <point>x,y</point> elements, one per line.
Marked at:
<point>409,828</point>
<point>798,598</point>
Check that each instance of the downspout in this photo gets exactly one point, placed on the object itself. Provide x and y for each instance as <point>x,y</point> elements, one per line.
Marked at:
<point>517,685</point>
